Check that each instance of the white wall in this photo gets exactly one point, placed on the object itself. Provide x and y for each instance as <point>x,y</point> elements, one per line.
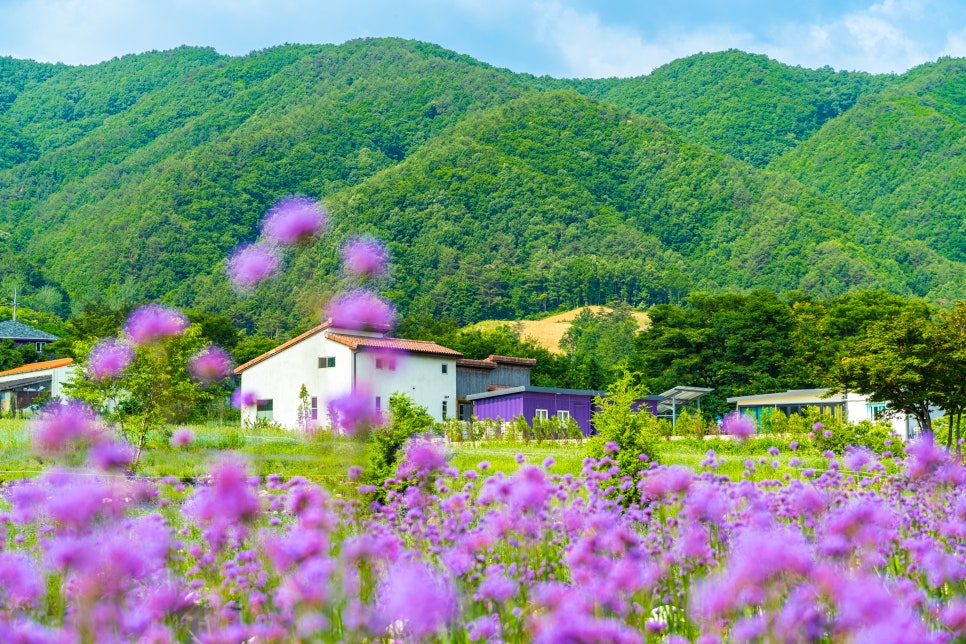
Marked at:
<point>419,376</point>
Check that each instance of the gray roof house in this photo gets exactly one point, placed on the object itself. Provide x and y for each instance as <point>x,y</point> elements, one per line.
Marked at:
<point>22,333</point>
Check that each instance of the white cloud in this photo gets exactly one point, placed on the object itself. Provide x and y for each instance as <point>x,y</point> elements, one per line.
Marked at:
<point>590,48</point>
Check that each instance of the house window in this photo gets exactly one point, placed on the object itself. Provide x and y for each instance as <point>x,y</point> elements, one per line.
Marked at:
<point>326,362</point>
<point>444,367</point>
<point>444,410</point>
<point>263,409</point>
<point>315,408</point>
<point>875,410</point>
<point>39,346</point>
<point>563,415</point>
<point>392,364</point>
<point>378,363</point>
<point>378,403</point>
<point>543,414</point>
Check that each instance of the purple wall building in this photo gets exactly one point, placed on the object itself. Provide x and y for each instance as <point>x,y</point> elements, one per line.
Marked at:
<point>544,402</point>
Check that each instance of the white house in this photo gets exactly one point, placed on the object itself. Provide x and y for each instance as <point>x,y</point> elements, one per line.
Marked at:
<point>849,405</point>
<point>331,362</point>
<point>21,386</point>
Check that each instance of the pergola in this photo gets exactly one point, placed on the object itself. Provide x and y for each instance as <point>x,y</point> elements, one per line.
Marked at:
<point>680,397</point>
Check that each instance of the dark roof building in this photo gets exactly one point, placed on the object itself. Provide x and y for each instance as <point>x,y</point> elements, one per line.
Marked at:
<point>22,333</point>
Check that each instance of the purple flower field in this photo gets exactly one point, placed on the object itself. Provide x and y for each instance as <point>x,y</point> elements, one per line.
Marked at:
<point>848,554</point>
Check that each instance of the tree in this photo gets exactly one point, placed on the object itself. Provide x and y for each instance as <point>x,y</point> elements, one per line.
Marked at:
<point>153,390</point>
<point>616,421</point>
<point>406,419</point>
<point>950,338</point>
<point>896,362</point>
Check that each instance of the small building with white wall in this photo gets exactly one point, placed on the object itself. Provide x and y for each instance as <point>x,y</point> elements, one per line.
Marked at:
<point>20,387</point>
<point>849,405</point>
<point>332,362</point>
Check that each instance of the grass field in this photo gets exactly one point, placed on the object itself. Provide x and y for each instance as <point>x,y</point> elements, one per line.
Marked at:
<point>327,460</point>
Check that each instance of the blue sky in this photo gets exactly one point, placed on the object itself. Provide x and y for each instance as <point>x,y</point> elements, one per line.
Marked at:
<point>572,38</point>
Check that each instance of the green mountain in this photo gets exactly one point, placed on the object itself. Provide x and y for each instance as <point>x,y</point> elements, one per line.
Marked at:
<point>501,195</point>
<point>899,156</point>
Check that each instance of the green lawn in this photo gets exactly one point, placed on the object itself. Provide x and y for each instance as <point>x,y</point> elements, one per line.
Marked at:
<point>328,460</point>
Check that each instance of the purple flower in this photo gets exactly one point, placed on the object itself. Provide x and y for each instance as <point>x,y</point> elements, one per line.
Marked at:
<point>229,498</point>
<point>108,358</point>
<point>250,265</point>
<point>354,412</point>
<point>365,257</point>
<point>293,220</point>
<point>241,398</point>
<point>827,433</point>
<point>739,426</point>
<point>361,310</point>
<point>181,437</point>
<point>817,427</point>
<point>59,426</point>
<point>21,581</point>
<point>423,456</point>
<point>211,364</point>
<point>111,455</point>
<point>415,600</point>
<point>150,323</point>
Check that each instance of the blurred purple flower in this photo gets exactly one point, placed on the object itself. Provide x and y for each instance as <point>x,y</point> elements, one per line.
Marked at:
<point>416,598</point>
<point>241,398</point>
<point>229,498</point>
<point>361,310</point>
<point>108,359</point>
<point>250,265</point>
<point>423,456</point>
<point>924,457</point>
<point>111,455</point>
<point>365,257</point>
<point>354,412</point>
<point>738,425</point>
<point>181,437</point>
<point>817,427</point>
<point>59,426</point>
<point>150,323</point>
<point>211,364</point>
<point>21,582</point>
<point>293,220</point>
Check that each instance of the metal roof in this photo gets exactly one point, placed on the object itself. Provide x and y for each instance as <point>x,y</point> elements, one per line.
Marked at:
<point>817,393</point>
<point>20,331</point>
<point>25,382</point>
<point>680,396</point>
<point>38,366</point>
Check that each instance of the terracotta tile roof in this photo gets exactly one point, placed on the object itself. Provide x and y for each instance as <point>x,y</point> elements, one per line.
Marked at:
<point>282,347</point>
<point>392,344</point>
<point>38,366</point>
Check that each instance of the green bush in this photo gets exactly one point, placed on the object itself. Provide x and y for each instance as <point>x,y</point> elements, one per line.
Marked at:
<point>406,419</point>
<point>634,432</point>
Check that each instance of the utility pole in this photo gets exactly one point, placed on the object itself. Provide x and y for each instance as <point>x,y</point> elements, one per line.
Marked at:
<point>14,303</point>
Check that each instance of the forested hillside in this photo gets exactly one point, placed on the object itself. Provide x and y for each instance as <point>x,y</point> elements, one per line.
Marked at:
<point>501,195</point>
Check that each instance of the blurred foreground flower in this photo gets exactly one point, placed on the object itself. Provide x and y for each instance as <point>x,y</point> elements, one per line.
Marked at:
<point>361,310</point>
<point>151,323</point>
<point>250,265</point>
<point>211,364</point>
<point>365,257</point>
<point>739,426</point>
<point>181,437</point>
<point>108,359</point>
<point>293,220</point>
<point>60,426</point>
<point>354,412</point>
